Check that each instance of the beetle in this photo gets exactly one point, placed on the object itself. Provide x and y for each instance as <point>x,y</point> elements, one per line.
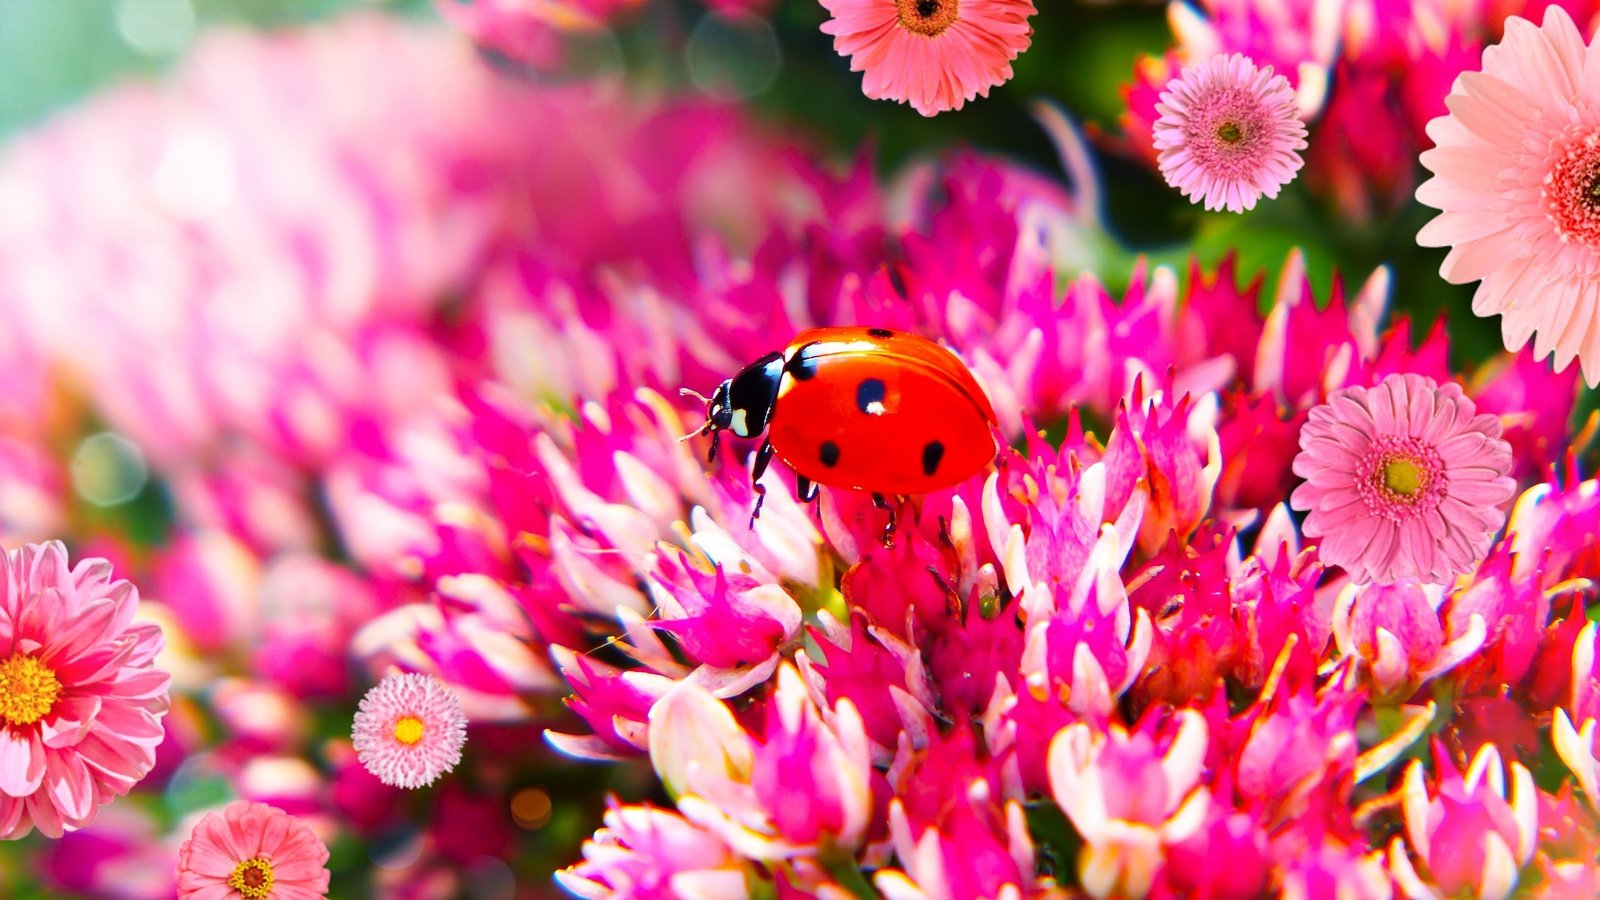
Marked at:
<point>868,409</point>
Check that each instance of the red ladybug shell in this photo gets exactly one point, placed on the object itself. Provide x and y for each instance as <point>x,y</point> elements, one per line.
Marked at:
<point>878,410</point>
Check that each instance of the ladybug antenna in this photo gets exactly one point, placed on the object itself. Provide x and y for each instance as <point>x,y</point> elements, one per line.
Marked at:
<point>691,392</point>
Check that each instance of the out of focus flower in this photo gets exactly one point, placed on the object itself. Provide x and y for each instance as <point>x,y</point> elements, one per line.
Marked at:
<point>1470,834</point>
<point>533,32</point>
<point>1403,480</point>
<point>255,851</point>
<point>80,699</point>
<point>933,54</point>
<point>647,852</point>
<point>280,274</point>
<point>409,730</point>
<point>1128,798</point>
<point>122,857</point>
<point>1228,133</point>
<point>309,608</point>
<point>1517,176</point>
<point>33,501</point>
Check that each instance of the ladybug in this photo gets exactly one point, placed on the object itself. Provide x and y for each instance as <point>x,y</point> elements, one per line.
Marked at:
<point>868,409</point>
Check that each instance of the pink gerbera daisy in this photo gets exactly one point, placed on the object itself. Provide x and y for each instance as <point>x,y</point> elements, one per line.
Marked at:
<point>932,54</point>
<point>80,702</point>
<point>409,730</point>
<point>252,850</point>
<point>1403,481</point>
<point>1517,176</point>
<point>1228,133</point>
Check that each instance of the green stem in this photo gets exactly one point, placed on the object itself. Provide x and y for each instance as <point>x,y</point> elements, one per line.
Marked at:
<point>846,872</point>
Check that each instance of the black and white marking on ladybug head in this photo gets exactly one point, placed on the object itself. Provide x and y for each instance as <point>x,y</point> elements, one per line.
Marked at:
<point>743,404</point>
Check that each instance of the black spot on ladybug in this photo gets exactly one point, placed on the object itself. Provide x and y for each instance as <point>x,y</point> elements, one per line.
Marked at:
<point>828,453</point>
<point>932,454</point>
<point>869,396</point>
<point>802,365</point>
<point>880,332</point>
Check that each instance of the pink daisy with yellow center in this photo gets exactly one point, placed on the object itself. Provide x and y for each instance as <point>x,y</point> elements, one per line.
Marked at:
<point>1516,168</point>
<point>1228,133</point>
<point>932,54</point>
<point>1403,480</point>
<point>254,851</point>
<point>81,700</point>
<point>409,730</point>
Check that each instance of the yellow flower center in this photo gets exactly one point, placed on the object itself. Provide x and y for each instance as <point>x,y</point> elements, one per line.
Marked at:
<point>252,878</point>
<point>928,18</point>
<point>1403,476</point>
<point>408,730</point>
<point>28,689</point>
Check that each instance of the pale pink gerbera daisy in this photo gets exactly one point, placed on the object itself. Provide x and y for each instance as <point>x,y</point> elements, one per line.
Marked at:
<point>932,54</point>
<point>409,730</point>
<point>1517,174</point>
<point>1229,133</point>
<point>252,850</point>
<point>80,702</point>
<point>1403,481</point>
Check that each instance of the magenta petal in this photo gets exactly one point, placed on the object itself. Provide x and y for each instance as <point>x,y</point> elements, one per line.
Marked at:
<point>68,784</point>
<point>69,721</point>
<point>21,762</point>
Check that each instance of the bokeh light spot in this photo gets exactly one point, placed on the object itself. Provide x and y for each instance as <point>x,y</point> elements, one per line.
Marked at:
<point>156,27</point>
<point>108,469</point>
<point>731,59</point>
<point>531,808</point>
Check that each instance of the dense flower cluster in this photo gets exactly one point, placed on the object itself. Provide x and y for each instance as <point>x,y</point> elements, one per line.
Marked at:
<point>1116,662</point>
<point>1368,74</point>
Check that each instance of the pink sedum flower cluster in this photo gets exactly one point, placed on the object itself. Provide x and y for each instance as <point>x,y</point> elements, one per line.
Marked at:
<point>1119,634</point>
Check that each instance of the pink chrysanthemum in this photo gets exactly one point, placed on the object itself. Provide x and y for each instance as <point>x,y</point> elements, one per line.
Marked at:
<point>1228,133</point>
<point>80,702</point>
<point>1403,480</point>
<point>409,730</point>
<point>932,54</point>
<point>1517,176</point>
<point>252,850</point>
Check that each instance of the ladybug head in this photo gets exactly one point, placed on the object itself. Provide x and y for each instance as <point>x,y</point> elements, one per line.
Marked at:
<point>719,411</point>
<point>743,404</point>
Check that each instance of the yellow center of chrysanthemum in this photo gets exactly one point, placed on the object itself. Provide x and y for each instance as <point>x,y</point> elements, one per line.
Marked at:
<point>252,878</point>
<point>28,689</point>
<point>927,17</point>
<point>408,730</point>
<point>1231,132</point>
<point>1403,477</point>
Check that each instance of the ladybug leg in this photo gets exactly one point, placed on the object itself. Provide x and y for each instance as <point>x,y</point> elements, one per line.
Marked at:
<point>763,458</point>
<point>805,490</point>
<point>716,439</point>
<point>882,503</point>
